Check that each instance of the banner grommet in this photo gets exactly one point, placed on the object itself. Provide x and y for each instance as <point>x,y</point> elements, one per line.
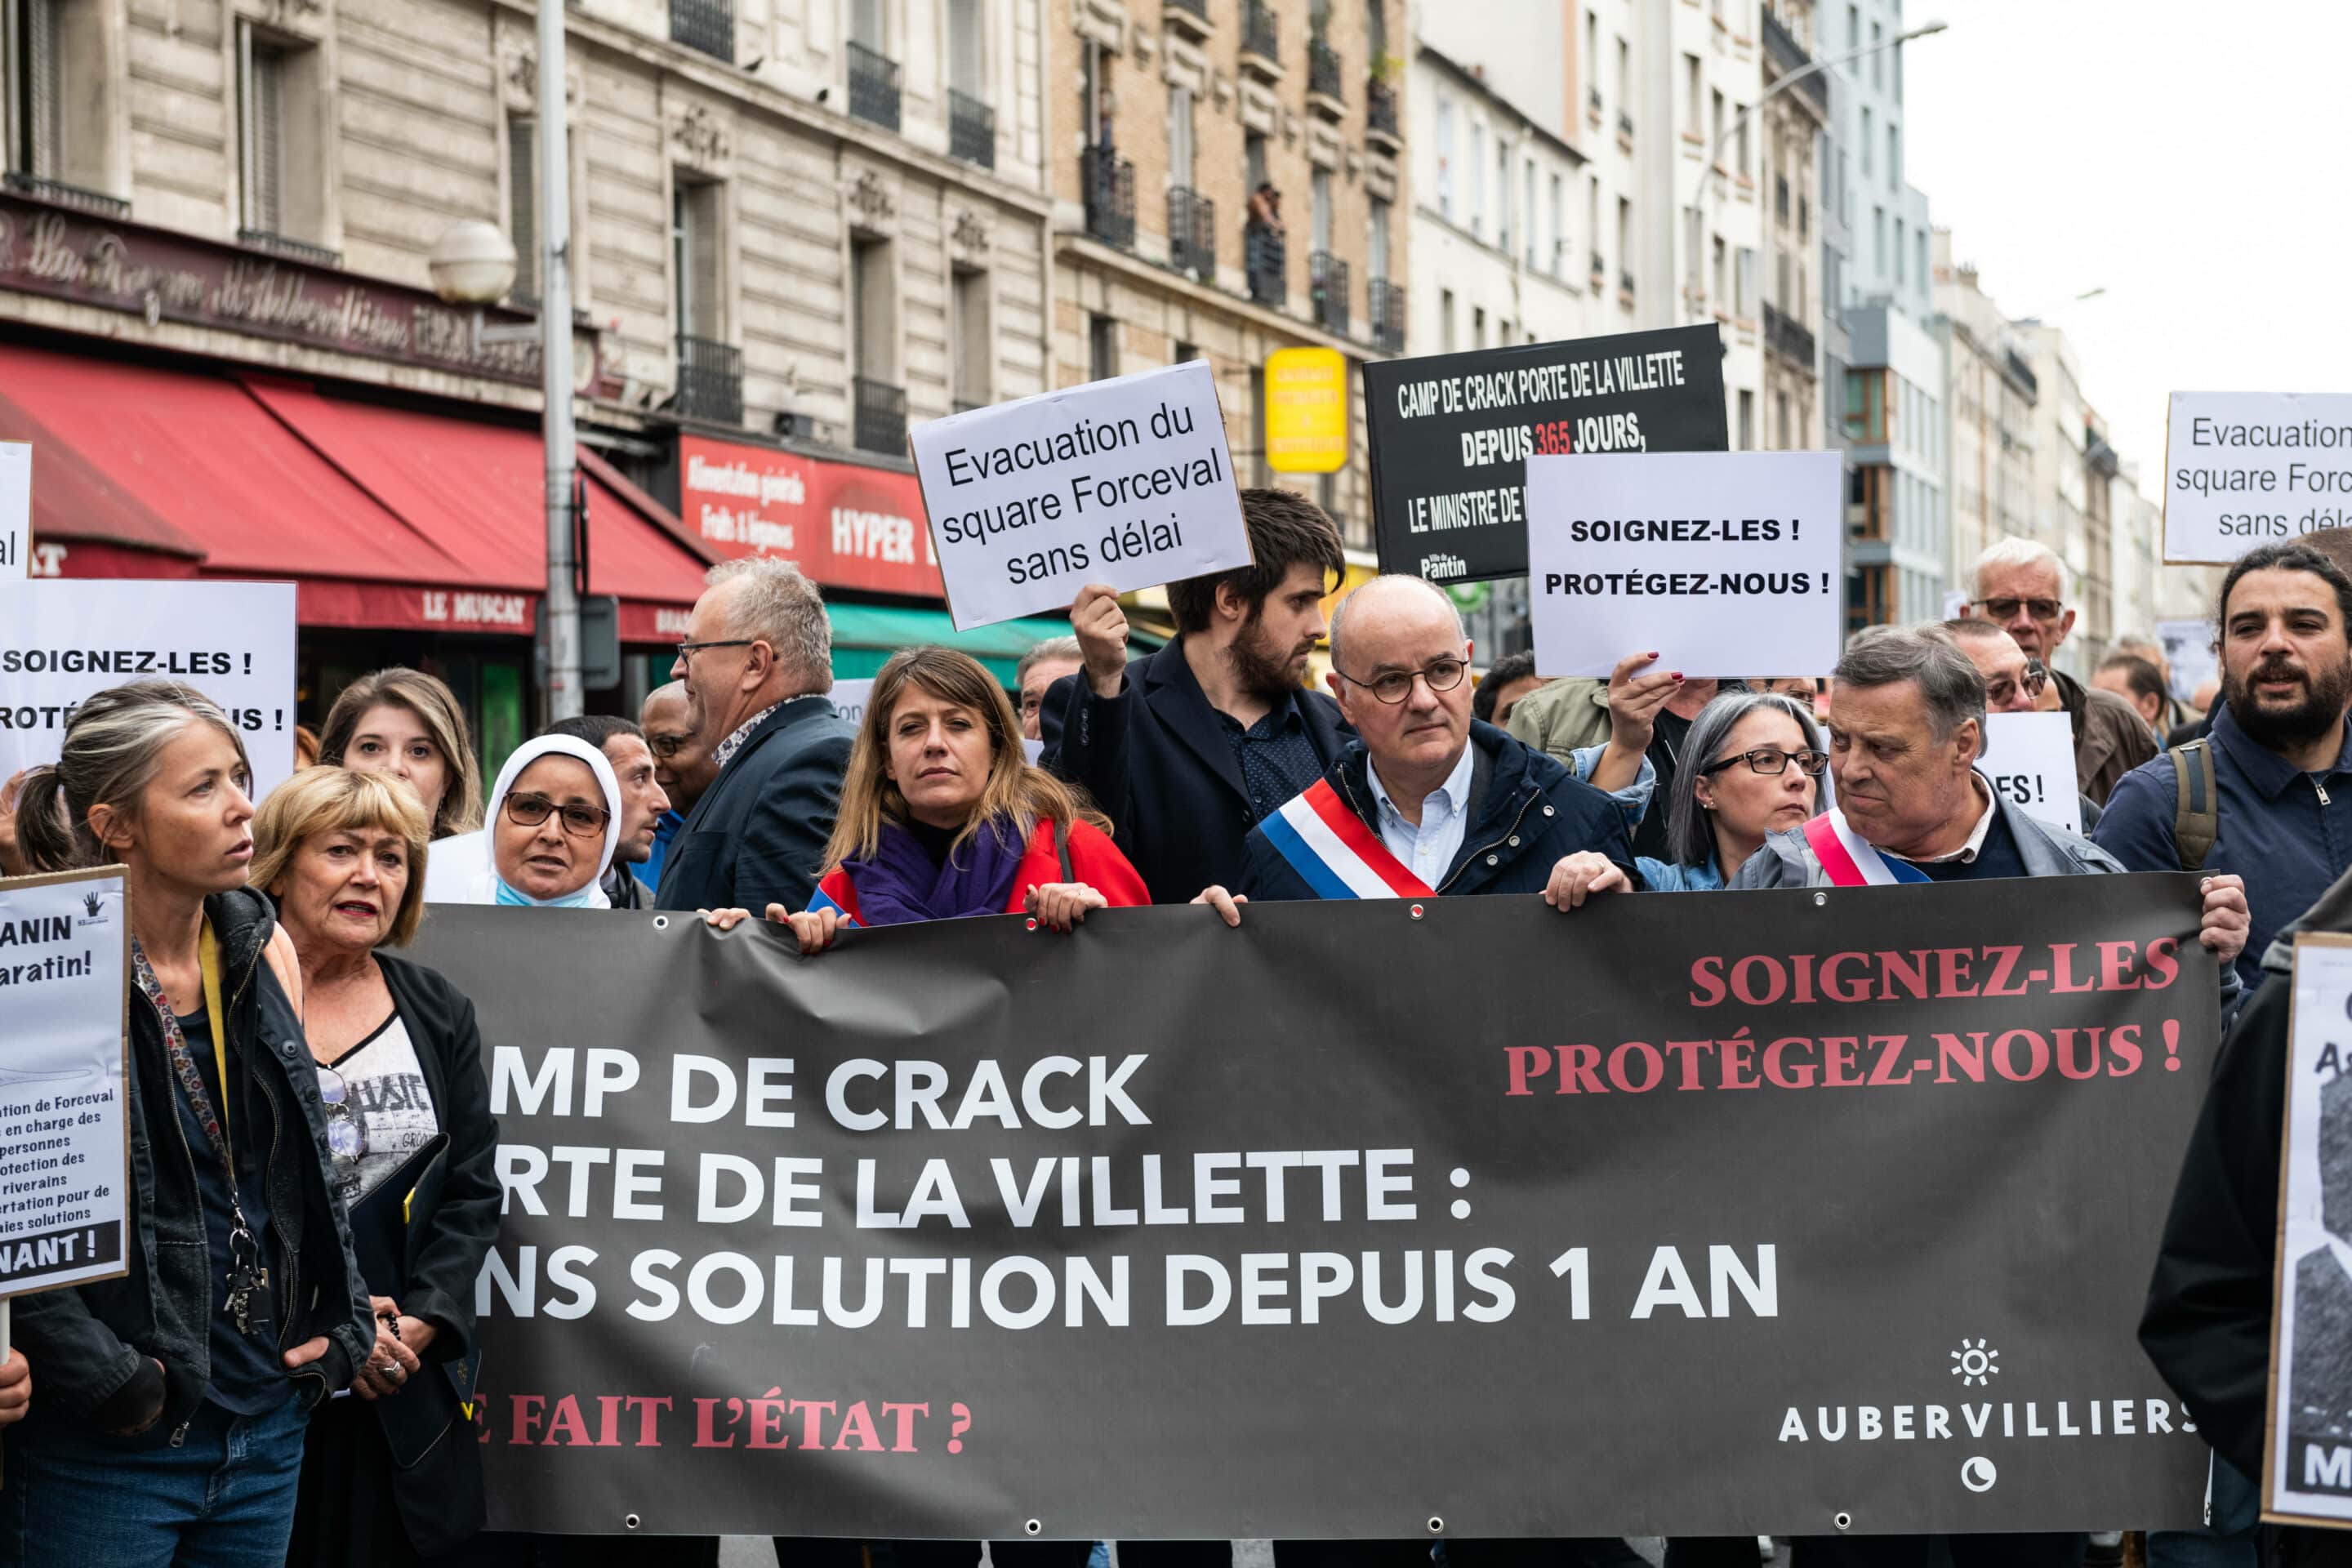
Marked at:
<point>1417,912</point>
<point>661,922</point>
<point>1035,1527</point>
<point>1842,1519</point>
<point>1820,898</point>
<point>629,1520</point>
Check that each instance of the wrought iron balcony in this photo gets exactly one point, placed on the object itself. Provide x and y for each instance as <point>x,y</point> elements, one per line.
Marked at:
<point>710,381</point>
<point>1381,111</point>
<point>1787,55</point>
<point>1266,256</point>
<point>1322,71</point>
<point>1108,182</point>
<point>1789,337</point>
<point>1385,306</point>
<point>705,25</point>
<point>879,422</point>
<point>971,129</point>
<point>873,86</point>
<point>1192,234</point>
<point>1327,281</point>
<point>96,203</point>
<point>1261,35</point>
<point>292,250</point>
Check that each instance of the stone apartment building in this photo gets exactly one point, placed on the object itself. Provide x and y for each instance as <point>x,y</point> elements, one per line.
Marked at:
<point>1795,120</point>
<point>1228,180</point>
<point>796,228</point>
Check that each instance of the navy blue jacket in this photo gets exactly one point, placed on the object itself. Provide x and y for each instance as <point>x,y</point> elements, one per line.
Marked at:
<point>758,834</point>
<point>2286,832</point>
<point>1526,812</point>
<point>1157,759</point>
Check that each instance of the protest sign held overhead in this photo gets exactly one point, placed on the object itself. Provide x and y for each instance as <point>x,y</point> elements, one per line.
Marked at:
<point>62,641</point>
<point>2243,468</point>
<point>1724,563</point>
<point>1125,482</point>
<point>1451,434</point>
<point>2307,1457</point>
<point>64,972</point>
<point>843,1248</point>
<point>15,509</point>
<point>2028,760</point>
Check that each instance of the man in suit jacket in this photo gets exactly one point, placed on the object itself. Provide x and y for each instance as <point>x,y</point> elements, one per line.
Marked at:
<point>1186,748</point>
<point>757,664</point>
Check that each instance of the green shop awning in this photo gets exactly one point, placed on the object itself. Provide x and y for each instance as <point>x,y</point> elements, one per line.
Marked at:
<point>863,636</point>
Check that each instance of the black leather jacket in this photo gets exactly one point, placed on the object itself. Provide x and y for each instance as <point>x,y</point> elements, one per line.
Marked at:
<point>88,1342</point>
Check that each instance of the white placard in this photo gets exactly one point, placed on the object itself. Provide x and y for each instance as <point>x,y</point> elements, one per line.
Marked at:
<point>2029,760</point>
<point>62,640</point>
<point>2306,1458</point>
<point>2242,468</point>
<point>64,984</point>
<point>849,697</point>
<point>2189,649</point>
<point>15,509</point>
<point>1727,563</point>
<point>1124,481</point>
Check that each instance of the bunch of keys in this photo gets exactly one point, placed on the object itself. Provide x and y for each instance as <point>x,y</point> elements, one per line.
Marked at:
<point>246,1276</point>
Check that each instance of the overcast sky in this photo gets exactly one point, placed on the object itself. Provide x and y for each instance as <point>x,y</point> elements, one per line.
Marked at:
<point>2194,159</point>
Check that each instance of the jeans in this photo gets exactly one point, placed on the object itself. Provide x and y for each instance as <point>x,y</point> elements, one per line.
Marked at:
<point>223,1498</point>
<point>2228,1541</point>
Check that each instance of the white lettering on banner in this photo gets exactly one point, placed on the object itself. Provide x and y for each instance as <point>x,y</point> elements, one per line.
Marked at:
<point>1723,561</point>
<point>2242,468</point>
<point>62,641</point>
<point>1126,481</point>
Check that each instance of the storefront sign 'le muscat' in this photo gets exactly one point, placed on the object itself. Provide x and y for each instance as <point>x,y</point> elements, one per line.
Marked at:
<point>164,277</point>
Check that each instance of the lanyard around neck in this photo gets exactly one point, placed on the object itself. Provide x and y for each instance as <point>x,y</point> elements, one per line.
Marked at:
<point>208,960</point>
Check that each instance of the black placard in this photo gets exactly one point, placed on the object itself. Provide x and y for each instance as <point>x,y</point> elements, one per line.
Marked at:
<point>1451,435</point>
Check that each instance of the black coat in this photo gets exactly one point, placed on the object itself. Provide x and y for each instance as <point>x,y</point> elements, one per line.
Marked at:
<point>452,1221</point>
<point>1526,812</point>
<point>87,1342</point>
<point>757,837</point>
<point>1156,759</point>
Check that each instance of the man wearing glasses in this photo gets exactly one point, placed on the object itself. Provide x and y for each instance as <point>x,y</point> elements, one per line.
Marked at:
<point>2013,683</point>
<point>2021,588</point>
<point>1426,800</point>
<point>683,765</point>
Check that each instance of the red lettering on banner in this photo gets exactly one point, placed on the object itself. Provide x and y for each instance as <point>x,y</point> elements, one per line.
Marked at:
<point>769,1421</point>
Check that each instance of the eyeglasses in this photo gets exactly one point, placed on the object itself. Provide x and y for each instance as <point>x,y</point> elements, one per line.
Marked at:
<point>2002,693</point>
<point>1443,674</point>
<point>2006,609</point>
<point>580,821</point>
<point>667,746</point>
<point>346,1139</point>
<point>1770,761</point>
<point>687,650</point>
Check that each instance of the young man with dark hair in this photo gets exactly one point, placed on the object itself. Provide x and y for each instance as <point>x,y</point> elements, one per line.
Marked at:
<point>1188,748</point>
<point>1507,680</point>
<point>2270,787</point>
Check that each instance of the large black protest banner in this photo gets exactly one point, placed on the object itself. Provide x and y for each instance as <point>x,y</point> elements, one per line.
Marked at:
<point>1451,435</point>
<point>1706,1215</point>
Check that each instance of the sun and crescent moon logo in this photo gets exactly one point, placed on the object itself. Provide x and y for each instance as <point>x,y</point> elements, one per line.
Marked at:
<point>1978,1474</point>
<point>1975,1365</point>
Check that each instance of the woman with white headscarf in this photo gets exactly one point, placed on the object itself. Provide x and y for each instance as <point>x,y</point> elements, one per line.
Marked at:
<point>553,822</point>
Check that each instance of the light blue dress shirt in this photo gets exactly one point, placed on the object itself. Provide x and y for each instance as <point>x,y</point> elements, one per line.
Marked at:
<point>1429,848</point>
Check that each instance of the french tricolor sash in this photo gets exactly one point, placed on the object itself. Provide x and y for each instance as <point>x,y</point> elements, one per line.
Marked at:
<point>1850,862</point>
<point>1340,857</point>
<point>822,899</point>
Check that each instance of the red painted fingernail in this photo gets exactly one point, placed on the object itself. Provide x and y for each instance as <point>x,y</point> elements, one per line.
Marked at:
<point>1678,675</point>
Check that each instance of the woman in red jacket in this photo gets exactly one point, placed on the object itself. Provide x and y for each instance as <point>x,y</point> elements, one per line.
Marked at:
<point>943,816</point>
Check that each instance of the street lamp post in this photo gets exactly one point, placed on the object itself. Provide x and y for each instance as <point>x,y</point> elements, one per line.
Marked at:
<point>1709,176</point>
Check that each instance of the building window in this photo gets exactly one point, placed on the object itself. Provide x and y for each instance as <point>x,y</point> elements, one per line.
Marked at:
<point>1719,270</point>
<point>709,370</point>
<point>1624,80</point>
<point>1478,178</point>
<point>1781,423</point>
<point>1445,156</point>
<point>1626,244</point>
<point>1899,249</point>
<point>1869,141</point>
<point>1477,326</point>
<point>1919,244</point>
<point>1502,196</point>
<point>279,146</point>
<point>1592,215</point>
<point>1377,257</point>
<point>1853,28</point>
<point>1744,304</point>
<point>1592,56</point>
<point>523,205</point>
<point>1179,137</point>
<point>972,339</point>
<point>1102,348</point>
<point>971,119</point>
<point>1559,226</point>
<point>1254,159</point>
<point>1878,56</point>
<point>1714,123</point>
<point>1445,343</point>
<point>1094,64</point>
<point>1691,88</point>
<point>1878,240</point>
<point>1894,157</point>
<point>1747,421</point>
<point>878,402</point>
<point>1528,209</point>
<point>1185,352</point>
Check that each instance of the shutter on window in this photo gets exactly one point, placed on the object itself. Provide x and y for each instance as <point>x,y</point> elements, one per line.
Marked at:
<point>522,203</point>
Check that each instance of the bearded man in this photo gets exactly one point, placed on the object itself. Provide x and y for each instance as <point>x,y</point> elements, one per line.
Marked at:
<point>1190,748</point>
<point>2269,792</point>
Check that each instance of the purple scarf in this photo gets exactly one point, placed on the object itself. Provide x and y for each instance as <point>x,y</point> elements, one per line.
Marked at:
<point>900,885</point>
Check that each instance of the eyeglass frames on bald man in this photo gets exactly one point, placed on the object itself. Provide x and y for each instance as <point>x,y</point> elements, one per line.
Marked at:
<point>580,821</point>
<point>1443,674</point>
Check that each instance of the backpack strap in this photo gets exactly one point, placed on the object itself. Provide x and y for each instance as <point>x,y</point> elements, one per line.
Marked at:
<point>2197,811</point>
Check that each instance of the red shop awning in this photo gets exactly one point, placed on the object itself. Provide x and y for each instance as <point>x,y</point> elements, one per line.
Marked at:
<point>384,517</point>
